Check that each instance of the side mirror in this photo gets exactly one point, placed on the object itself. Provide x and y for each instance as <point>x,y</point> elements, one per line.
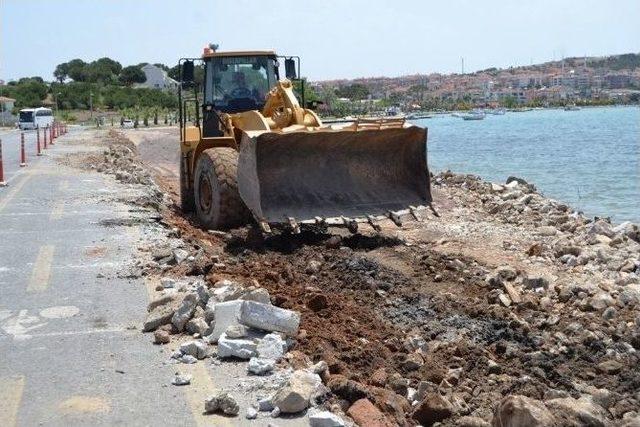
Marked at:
<point>290,68</point>
<point>187,73</point>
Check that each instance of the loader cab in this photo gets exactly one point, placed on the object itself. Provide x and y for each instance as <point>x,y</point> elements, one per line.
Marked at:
<point>235,82</point>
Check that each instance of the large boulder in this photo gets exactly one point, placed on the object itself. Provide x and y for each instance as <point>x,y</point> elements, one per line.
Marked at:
<point>222,402</point>
<point>522,411</point>
<point>582,411</point>
<point>269,318</point>
<point>197,349</point>
<point>432,409</point>
<point>365,414</point>
<point>296,395</point>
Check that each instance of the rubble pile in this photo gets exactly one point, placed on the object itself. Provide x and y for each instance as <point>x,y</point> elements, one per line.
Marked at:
<point>509,309</point>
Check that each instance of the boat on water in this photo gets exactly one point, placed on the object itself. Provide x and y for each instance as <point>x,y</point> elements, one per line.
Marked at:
<point>571,107</point>
<point>497,112</point>
<point>474,115</point>
<point>418,116</point>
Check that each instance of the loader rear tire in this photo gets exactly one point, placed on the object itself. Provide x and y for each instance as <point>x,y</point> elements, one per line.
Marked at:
<point>187,199</point>
<point>218,203</point>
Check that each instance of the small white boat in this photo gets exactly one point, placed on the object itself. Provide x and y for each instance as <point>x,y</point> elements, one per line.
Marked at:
<point>474,115</point>
<point>571,107</point>
<point>497,112</point>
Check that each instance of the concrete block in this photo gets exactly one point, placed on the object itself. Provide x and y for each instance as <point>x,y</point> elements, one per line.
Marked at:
<point>269,318</point>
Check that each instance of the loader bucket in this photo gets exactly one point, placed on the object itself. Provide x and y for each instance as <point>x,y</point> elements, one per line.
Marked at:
<point>333,173</point>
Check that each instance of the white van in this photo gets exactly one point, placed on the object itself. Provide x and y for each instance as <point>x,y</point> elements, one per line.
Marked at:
<point>34,118</point>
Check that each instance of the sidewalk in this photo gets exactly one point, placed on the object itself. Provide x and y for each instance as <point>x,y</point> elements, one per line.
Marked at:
<point>71,349</point>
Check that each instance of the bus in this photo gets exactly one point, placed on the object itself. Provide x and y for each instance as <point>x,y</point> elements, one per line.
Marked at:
<point>34,118</point>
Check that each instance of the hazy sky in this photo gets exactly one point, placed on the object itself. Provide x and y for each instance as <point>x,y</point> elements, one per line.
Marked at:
<point>348,38</point>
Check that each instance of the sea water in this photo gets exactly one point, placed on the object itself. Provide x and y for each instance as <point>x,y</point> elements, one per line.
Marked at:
<point>589,159</point>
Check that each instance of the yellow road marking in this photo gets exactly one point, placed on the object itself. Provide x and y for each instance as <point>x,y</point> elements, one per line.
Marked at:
<point>13,191</point>
<point>41,270</point>
<point>10,397</point>
<point>84,404</point>
<point>57,211</point>
<point>201,387</point>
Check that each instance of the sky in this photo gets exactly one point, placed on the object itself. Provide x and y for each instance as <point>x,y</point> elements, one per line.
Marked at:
<point>335,39</point>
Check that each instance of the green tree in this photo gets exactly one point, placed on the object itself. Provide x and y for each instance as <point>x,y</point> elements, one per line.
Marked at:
<point>354,92</point>
<point>132,74</point>
<point>76,69</point>
<point>61,72</point>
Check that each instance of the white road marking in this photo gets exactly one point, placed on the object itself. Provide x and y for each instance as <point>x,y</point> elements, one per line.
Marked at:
<point>59,312</point>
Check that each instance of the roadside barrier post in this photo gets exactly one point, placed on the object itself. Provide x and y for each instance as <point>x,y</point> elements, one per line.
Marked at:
<point>2,183</point>
<point>44,134</point>
<point>38,141</point>
<point>23,158</point>
<point>50,135</point>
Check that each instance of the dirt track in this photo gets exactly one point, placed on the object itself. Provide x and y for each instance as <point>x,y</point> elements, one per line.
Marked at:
<point>415,307</point>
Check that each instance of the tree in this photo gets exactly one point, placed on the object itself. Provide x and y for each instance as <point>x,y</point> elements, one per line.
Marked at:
<point>77,70</point>
<point>354,92</point>
<point>61,72</point>
<point>132,74</point>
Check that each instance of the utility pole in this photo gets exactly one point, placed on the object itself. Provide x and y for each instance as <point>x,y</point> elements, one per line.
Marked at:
<point>462,59</point>
<point>91,105</point>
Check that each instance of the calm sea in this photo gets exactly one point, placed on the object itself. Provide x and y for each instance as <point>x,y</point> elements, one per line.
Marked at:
<point>589,158</point>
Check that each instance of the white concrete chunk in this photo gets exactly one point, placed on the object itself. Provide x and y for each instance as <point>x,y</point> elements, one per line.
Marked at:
<point>268,318</point>
<point>240,348</point>
<point>226,314</point>
<point>272,346</point>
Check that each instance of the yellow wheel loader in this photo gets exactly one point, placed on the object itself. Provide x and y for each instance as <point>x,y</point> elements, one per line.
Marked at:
<point>249,149</point>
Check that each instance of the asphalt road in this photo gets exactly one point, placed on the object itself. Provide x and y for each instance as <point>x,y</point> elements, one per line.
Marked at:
<point>71,350</point>
<point>11,150</point>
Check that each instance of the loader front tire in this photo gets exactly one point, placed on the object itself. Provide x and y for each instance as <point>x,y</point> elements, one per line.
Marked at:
<point>187,200</point>
<point>218,203</point>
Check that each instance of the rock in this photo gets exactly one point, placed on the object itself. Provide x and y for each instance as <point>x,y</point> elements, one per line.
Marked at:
<point>609,313</point>
<point>601,227</point>
<point>504,299</point>
<point>398,384</point>
<point>259,366</point>
<point>628,229</point>
<point>365,414</point>
<point>197,349</point>
<point>251,414</point>
<point>198,326</point>
<point>210,311</point>
<point>295,396</point>
<point>265,405</point>
<point>180,379</point>
<point>268,318</point>
<point>160,315</point>
<point>471,422</point>
<point>547,230</point>
<point>226,314</point>
<point>226,290</point>
<point>179,255</point>
<point>240,348</point>
<point>222,402</point>
<point>601,300</point>
<point>514,181</point>
<point>610,367</point>
<point>317,302</point>
<point>324,419</point>
<point>188,359</point>
<point>522,411</point>
<point>569,260</point>
<point>506,272</point>
<point>161,337</point>
<point>347,389</point>
<point>258,295</point>
<point>313,267</point>
<point>167,282</point>
<point>272,346</point>
<point>320,367</point>
<point>413,362</point>
<point>433,408</point>
<point>236,331</point>
<point>513,293</point>
<point>275,413</point>
<point>185,311</point>
<point>534,282</point>
<point>582,411</point>
<point>496,188</point>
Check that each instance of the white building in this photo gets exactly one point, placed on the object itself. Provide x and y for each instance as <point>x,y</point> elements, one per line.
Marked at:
<point>157,78</point>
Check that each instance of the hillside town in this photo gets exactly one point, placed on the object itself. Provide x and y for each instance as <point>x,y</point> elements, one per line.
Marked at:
<point>587,80</point>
